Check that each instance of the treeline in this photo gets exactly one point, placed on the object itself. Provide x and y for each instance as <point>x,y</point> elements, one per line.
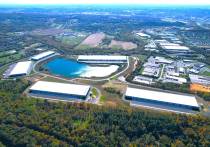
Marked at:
<point>35,122</point>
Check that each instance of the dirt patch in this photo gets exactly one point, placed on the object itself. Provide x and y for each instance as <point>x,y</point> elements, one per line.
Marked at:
<point>118,86</point>
<point>122,44</point>
<point>94,40</point>
<point>200,88</point>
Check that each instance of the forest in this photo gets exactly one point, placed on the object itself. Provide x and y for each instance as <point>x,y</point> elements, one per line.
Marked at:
<point>34,122</point>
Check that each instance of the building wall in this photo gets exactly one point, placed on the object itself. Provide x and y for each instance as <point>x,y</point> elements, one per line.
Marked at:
<point>41,57</point>
<point>58,96</point>
<point>102,61</point>
<point>18,75</point>
<point>162,103</point>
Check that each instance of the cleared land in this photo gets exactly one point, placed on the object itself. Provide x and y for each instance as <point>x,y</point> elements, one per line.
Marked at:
<point>122,44</point>
<point>200,88</point>
<point>94,40</point>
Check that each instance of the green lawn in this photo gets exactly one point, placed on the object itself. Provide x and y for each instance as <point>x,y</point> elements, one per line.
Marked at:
<point>83,47</point>
<point>102,98</point>
<point>142,58</point>
<point>206,73</point>
<point>51,79</point>
<point>94,92</point>
<point>141,70</point>
<point>72,40</point>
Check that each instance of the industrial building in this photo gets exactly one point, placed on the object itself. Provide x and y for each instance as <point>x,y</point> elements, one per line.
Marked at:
<point>176,49</point>
<point>102,59</point>
<point>19,69</point>
<point>42,55</point>
<point>143,35</point>
<point>162,100</point>
<point>204,80</point>
<point>59,91</point>
<point>174,79</point>
<point>144,80</point>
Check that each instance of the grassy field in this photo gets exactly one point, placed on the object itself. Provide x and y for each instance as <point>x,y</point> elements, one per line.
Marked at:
<point>10,58</point>
<point>82,47</point>
<point>71,40</point>
<point>142,58</point>
<point>206,73</point>
<point>51,79</point>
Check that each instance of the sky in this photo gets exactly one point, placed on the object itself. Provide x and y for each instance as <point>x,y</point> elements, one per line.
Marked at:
<point>177,2</point>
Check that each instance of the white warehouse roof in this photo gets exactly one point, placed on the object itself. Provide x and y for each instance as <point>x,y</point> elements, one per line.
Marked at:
<point>169,44</point>
<point>175,47</point>
<point>42,55</point>
<point>62,88</point>
<point>162,96</point>
<point>101,57</point>
<point>21,68</point>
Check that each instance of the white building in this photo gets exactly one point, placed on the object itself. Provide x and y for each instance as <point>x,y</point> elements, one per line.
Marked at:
<point>142,79</point>
<point>161,100</point>
<point>151,45</point>
<point>151,71</point>
<point>42,55</point>
<point>174,79</point>
<point>143,35</point>
<point>59,91</point>
<point>168,44</point>
<point>163,60</point>
<point>176,49</point>
<point>102,59</point>
<point>19,69</point>
<point>205,80</point>
<point>161,41</point>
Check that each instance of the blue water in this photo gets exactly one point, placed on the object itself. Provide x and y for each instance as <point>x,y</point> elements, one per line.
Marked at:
<point>65,67</point>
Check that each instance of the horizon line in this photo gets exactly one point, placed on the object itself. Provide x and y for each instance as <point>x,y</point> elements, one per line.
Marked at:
<point>135,4</point>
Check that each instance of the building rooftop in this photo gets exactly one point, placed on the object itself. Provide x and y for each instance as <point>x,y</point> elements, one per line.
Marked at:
<point>176,47</point>
<point>143,34</point>
<point>42,55</point>
<point>168,44</point>
<point>21,68</point>
<point>163,60</point>
<point>199,79</point>
<point>101,57</point>
<point>62,88</point>
<point>162,96</point>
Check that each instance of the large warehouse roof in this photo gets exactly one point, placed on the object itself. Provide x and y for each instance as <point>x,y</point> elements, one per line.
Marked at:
<point>62,88</point>
<point>21,68</point>
<point>101,57</point>
<point>162,96</point>
<point>175,47</point>
<point>42,55</point>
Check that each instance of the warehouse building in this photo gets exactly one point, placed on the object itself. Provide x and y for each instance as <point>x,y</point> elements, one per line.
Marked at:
<point>174,79</point>
<point>176,49</point>
<point>59,91</point>
<point>19,69</point>
<point>162,100</point>
<point>42,55</point>
<point>197,79</point>
<point>143,79</point>
<point>102,59</point>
